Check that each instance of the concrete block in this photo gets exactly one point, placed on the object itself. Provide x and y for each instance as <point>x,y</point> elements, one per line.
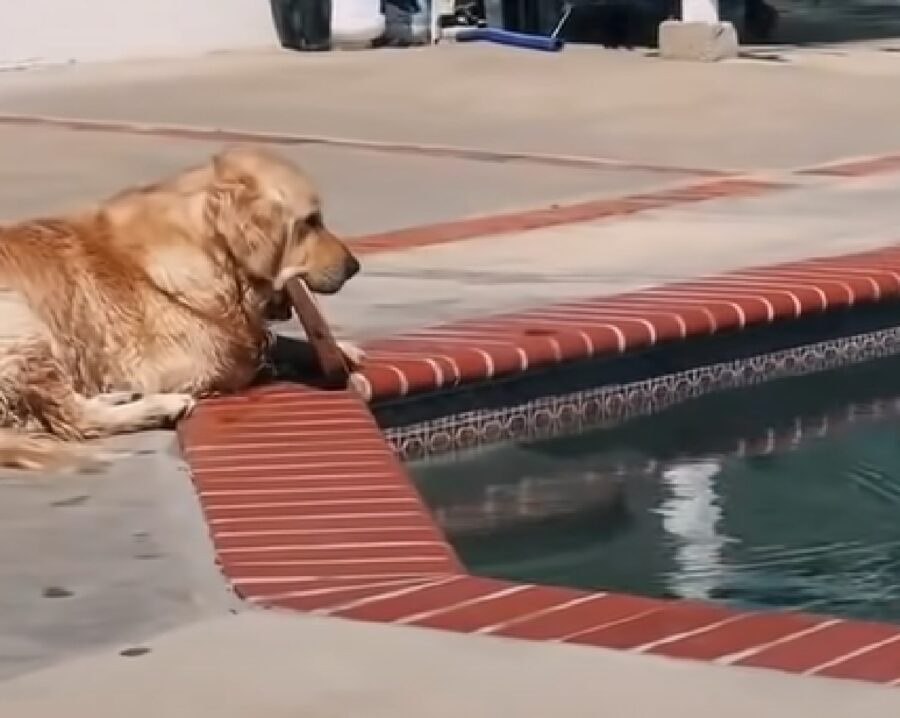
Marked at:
<point>702,41</point>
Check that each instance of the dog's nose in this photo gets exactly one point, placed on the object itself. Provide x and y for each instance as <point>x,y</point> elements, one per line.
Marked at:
<point>351,267</point>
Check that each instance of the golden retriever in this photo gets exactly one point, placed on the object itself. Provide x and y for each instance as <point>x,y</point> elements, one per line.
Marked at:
<point>117,318</point>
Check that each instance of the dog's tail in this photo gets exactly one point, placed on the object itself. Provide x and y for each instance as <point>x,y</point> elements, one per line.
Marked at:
<point>41,452</point>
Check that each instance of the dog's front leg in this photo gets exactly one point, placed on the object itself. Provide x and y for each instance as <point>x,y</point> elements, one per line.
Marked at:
<point>122,412</point>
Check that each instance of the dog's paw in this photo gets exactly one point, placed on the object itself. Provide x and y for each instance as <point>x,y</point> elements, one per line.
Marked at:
<point>360,385</point>
<point>353,355</point>
<point>170,407</point>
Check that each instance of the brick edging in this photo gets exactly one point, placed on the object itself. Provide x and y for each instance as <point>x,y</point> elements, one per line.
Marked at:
<point>481,349</point>
<point>310,510</point>
<point>564,213</point>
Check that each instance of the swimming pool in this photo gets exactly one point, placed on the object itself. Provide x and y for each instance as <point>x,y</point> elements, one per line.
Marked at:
<point>781,495</point>
<point>310,507</point>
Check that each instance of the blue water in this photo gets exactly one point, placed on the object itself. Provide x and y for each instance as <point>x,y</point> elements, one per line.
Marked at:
<point>786,495</point>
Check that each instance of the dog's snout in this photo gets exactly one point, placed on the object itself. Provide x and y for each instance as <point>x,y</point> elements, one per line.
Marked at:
<point>351,266</point>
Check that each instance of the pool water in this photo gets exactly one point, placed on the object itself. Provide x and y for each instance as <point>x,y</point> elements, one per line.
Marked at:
<point>783,495</point>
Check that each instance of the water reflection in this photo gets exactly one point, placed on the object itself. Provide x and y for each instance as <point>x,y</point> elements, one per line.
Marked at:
<point>783,495</point>
<point>691,515</point>
<point>496,498</point>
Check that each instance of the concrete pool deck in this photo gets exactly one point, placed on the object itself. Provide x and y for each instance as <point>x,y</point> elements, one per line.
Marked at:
<point>282,666</point>
<point>373,190</point>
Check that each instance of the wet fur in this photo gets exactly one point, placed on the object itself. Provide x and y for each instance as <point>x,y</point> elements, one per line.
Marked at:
<point>117,318</point>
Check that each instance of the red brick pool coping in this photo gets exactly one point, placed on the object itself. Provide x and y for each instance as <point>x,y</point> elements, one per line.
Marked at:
<point>489,347</point>
<point>310,510</point>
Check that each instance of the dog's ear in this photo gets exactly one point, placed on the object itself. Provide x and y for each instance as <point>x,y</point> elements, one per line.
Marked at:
<point>252,224</point>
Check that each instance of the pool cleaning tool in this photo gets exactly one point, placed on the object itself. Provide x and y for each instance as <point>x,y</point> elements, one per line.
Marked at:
<point>335,373</point>
<point>507,37</point>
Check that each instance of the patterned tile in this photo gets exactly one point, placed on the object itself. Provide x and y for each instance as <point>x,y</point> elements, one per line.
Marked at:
<point>610,405</point>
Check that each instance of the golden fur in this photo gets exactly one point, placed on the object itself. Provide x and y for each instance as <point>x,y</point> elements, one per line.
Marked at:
<point>115,319</point>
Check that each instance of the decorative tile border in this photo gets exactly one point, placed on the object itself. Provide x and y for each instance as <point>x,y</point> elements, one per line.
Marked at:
<point>613,404</point>
<point>309,508</point>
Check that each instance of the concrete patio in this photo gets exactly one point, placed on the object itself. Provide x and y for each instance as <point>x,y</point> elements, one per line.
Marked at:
<point>280,666</point>
<point>96,564</point>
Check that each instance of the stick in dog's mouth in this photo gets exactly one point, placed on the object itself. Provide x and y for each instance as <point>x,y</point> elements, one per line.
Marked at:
<point>328,354</point>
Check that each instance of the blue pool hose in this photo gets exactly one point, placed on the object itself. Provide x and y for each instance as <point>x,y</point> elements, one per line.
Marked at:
<point>507,37</point>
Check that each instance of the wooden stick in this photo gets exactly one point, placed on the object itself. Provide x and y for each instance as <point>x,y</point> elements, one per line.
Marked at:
<point>328,354</point>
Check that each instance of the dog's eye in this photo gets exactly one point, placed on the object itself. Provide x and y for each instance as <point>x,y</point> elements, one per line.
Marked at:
<point>301,227</point>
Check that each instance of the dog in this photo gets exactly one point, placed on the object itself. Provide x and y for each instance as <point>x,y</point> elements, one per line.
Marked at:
<point>118,318</point>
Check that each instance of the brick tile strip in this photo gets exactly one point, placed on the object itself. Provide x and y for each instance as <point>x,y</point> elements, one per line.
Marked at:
<point>218,134</point>
<point>589,211</point>
<point>309,509</point>
<point>485,348</point>
<point>300,491</point>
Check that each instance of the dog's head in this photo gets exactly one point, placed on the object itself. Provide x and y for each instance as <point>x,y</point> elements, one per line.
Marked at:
<point>270,216</point>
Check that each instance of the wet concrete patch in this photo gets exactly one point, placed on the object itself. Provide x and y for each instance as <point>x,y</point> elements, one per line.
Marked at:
<point>74,501</point>
<point>89,561</point>
<point>135,652</point>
